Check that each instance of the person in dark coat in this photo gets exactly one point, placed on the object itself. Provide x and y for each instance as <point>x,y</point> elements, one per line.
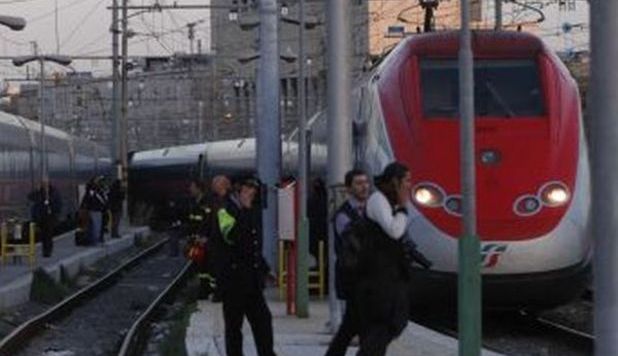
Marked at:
<point>242,279</point>
<point>357,184</point>
<point>95,202</point>
<point>116,198</point>
<point>219,191</point>
<point>197,229</point>
<point>46,207</point>
<point>382,292</point>
<point>317,213</point>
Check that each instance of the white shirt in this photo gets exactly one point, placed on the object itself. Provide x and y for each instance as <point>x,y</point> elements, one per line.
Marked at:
<point>380,211</point>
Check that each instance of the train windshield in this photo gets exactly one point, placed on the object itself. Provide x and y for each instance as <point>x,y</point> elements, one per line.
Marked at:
<point>502,88</point>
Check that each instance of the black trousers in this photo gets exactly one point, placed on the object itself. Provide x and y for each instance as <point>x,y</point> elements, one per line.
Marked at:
<point>252,305</point>
<point>374,340</point>
<point>116,215</point>
<point>46,229</point>
<point>347,330</point>
<point>207,280</point>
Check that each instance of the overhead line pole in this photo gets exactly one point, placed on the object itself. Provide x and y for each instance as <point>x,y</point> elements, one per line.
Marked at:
<point>339,127</point>
<point>498,14</point>
<point>469,284</point>
<point>42,118</point>
<point>268,135</point>
<point>604,106</point>
<point>115,144</point>
<point>124,139</point>
<point>302,273</point>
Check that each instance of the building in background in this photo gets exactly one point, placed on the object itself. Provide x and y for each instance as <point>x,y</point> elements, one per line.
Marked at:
<point>211,94</point>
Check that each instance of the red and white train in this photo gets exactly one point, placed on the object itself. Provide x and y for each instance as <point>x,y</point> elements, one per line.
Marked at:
<point>532,167</point>
<point>533,184</point>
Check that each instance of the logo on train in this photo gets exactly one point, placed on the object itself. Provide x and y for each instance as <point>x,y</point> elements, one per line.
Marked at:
<point>491,253</point>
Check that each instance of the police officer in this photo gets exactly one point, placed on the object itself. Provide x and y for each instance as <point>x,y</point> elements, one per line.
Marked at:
<point>200,215</point>
<point>244,270</point>
<point>358,188</point>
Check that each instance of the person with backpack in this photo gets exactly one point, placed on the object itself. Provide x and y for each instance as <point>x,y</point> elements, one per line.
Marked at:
<point>357,184</point>
<point>382,294</point>
<point>95,202</point>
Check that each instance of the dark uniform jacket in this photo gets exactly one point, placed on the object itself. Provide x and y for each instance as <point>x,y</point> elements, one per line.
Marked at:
<point>199,218</point>
<point>96,198</point>
<point>116,196</point>
<point>46,206</point>
<point>383,291</point>
<point>243,268</point>
<point>344,217</point>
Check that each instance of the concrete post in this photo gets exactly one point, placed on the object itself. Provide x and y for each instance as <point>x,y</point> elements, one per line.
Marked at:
<point>268,125</point>
<point>604,106</point>
<point>339,125</point>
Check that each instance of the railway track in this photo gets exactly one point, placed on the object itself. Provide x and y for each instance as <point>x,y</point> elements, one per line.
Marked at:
<point>520,334</point>
<point>106,317</point>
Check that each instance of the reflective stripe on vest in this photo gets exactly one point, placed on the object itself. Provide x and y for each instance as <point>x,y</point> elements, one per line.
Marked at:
<point>226,224</point>
<point>209,279</point>
<point>196,217</point>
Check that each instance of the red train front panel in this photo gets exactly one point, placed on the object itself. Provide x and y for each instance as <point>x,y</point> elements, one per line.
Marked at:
<point>531,158</point>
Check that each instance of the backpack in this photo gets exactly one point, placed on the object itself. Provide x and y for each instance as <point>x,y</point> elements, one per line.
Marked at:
<point>353,247</point>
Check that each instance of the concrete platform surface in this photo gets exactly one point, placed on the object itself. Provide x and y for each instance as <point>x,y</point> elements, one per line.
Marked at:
<point>303,337</point>
<point>16,278</point>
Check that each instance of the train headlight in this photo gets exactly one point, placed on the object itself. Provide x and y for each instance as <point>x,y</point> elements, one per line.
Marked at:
<point>428,195</point>
<point>554,194</point>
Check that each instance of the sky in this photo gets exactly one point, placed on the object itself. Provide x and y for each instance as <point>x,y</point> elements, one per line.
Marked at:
<point>83,29</point>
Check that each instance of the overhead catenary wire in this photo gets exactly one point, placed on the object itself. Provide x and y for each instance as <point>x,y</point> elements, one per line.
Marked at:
<point>82,22</point>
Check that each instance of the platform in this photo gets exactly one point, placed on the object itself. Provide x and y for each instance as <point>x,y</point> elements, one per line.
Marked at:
<point>16,279</point>
<point>304,337</point>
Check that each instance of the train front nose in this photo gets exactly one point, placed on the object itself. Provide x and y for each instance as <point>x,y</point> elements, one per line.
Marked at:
<point>525,149</point>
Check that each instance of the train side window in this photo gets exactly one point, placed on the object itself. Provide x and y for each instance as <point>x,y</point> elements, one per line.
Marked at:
<point>502,88</point>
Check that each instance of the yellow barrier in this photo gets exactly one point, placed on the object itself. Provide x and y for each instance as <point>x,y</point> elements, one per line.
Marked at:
<point>18,249</point>
<point>316,277</point>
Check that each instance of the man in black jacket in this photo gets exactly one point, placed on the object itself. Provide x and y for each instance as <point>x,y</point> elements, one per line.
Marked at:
<point>358,188</point>
<point>244,270</point>
<point>197,229</point>
<point>46,208</point>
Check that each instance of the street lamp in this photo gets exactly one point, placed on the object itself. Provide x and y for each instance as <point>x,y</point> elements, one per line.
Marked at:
<point>62,60</point>
<point>14,23</point>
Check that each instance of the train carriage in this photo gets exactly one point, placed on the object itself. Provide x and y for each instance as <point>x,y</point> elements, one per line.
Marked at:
<point>71,161</point>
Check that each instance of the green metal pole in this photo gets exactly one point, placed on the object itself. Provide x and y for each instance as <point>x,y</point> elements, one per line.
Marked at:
<point>469,296</point>
<point>469,286</point>
<point>302,267</point>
